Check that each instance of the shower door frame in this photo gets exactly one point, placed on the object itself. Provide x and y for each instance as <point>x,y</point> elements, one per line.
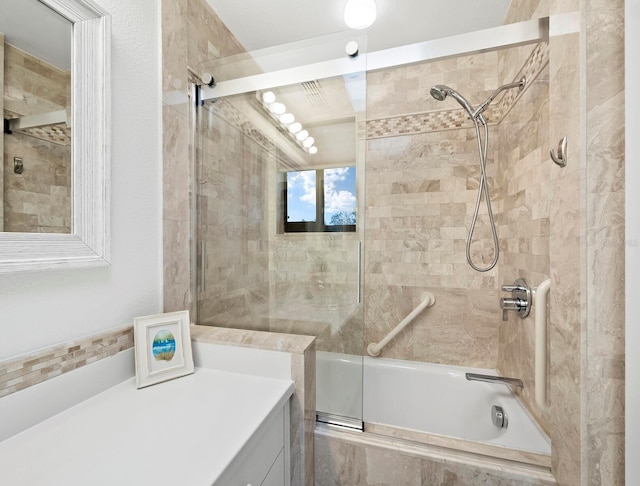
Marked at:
<point>510,35</point>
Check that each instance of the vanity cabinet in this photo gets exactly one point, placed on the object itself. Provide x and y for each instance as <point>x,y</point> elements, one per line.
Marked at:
<point>262,461</point>
<point>212,428</point>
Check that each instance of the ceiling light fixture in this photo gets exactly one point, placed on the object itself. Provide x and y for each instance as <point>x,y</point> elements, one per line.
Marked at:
<point>359,14</point>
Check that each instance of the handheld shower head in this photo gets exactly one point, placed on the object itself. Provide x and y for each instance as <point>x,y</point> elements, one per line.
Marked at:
<point>440,93</point>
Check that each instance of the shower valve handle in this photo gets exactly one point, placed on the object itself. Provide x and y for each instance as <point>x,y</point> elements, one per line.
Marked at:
<point>518,289</point>
<point>520,301</point>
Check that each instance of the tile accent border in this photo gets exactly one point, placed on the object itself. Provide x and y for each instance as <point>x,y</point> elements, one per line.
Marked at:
<point>30,369</point>
<point>433,121</point>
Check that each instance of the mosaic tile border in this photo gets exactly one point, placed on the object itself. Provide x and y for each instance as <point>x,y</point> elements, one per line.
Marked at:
<point>30,369</point>
<point>432,121</point>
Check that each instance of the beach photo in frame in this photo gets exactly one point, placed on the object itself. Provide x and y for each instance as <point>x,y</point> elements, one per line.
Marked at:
<point>162,347</point>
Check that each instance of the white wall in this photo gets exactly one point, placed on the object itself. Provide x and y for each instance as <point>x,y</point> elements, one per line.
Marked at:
<point>42,309</point>
<point>632,254</point>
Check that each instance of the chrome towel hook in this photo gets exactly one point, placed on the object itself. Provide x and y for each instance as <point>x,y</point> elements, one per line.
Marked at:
<point>561,158</point>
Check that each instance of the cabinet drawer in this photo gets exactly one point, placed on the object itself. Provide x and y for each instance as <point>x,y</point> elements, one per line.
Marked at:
<point>257,457</point>
<point>277,473</point>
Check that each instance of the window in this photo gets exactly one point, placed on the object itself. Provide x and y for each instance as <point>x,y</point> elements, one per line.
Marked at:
<point>321,200</point>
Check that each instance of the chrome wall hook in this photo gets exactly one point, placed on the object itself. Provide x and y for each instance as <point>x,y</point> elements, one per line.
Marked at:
<point>561,158</point>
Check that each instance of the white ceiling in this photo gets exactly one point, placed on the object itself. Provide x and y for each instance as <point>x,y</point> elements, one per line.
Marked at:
<point>38,30</point>
<point>259,24</point>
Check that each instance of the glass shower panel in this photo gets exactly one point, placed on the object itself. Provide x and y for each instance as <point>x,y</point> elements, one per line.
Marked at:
<point>279,219</point>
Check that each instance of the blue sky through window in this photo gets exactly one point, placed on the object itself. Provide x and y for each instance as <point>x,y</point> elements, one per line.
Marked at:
<point>339,194</point>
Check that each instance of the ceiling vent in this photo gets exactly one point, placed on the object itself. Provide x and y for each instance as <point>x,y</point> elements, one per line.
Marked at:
<point>315,95</point>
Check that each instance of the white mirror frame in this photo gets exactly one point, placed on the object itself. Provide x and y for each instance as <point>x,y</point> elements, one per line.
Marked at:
<point>89,243</point>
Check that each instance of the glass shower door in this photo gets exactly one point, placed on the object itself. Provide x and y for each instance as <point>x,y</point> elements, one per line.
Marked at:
<point>280,210</point>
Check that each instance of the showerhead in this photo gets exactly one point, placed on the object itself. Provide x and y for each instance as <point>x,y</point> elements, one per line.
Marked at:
<point>440,93</point>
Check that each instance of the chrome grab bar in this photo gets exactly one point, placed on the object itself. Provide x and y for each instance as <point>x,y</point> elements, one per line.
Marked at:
<point>494,379</point>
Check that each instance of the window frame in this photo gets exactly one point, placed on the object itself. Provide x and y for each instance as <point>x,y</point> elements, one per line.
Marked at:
<point>317,226</point>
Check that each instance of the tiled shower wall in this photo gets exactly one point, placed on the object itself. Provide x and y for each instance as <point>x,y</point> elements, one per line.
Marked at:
<point>39,199</point>
<point>423,173</point>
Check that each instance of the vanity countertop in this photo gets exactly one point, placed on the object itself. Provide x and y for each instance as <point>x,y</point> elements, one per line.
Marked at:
<point>185,432</point>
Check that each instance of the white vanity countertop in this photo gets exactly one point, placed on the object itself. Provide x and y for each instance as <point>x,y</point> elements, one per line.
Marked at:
<point>184,432</point>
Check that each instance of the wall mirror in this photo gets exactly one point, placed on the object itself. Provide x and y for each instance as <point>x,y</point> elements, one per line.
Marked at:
<point>56,111</point>
<point>35,97</point>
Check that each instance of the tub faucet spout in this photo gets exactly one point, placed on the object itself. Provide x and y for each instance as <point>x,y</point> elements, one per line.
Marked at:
<point>495,379</point>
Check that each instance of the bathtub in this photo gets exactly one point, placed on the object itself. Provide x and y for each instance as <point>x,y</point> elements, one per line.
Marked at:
<point>429,403</point>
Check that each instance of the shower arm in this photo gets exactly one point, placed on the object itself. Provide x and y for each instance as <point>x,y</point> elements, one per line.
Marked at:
<point>484,105</point>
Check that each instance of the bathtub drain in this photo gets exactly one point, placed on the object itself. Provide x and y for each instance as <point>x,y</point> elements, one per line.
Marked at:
<point>498,417</point>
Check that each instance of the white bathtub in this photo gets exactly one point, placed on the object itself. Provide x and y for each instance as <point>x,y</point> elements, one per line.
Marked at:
<point>412,400</point>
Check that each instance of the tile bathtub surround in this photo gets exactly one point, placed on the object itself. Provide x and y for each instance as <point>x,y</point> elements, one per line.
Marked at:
<point>349,458</point>
<point>33,368</point>
<point>303,371</point>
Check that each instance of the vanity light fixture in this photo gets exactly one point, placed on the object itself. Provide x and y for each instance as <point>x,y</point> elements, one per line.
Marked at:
<point>295,127</point>
<point>268,97</point>
<point>359,14</point>
<point>277,108</point>
<point>287,119</point>
<point>277,111</point>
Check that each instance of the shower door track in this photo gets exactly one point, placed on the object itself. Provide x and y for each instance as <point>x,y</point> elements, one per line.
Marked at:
<point>339,421</point>
<point>510,35</point>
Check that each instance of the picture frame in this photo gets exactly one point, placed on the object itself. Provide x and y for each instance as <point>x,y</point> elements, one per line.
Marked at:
<point>162,347</point>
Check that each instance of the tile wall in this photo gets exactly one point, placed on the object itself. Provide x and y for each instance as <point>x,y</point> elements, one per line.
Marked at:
<point>39,199</point>
<point>604,340</point>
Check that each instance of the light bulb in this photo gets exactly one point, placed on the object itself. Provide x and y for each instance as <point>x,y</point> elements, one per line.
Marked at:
<point>277,108</point>
<point>302,135</point>
<point>287,118</point>
<point>313,150</point>
<point>295,127</point>
<point>268,97</point>
<point>359,14</point>
<point>308,142</point>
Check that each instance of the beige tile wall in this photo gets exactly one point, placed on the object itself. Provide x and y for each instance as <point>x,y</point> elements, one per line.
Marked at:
<point>39,199</point>
<point>603,372</point>
<point>191,34</point>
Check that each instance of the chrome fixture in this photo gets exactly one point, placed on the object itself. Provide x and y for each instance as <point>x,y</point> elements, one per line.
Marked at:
<point>18,166</point>
<point>498,417</point>
<point>502,380</point>
<point>520,300</point>
<point>208,80</point>
<point>561,158</point>
<point>440,93</point>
